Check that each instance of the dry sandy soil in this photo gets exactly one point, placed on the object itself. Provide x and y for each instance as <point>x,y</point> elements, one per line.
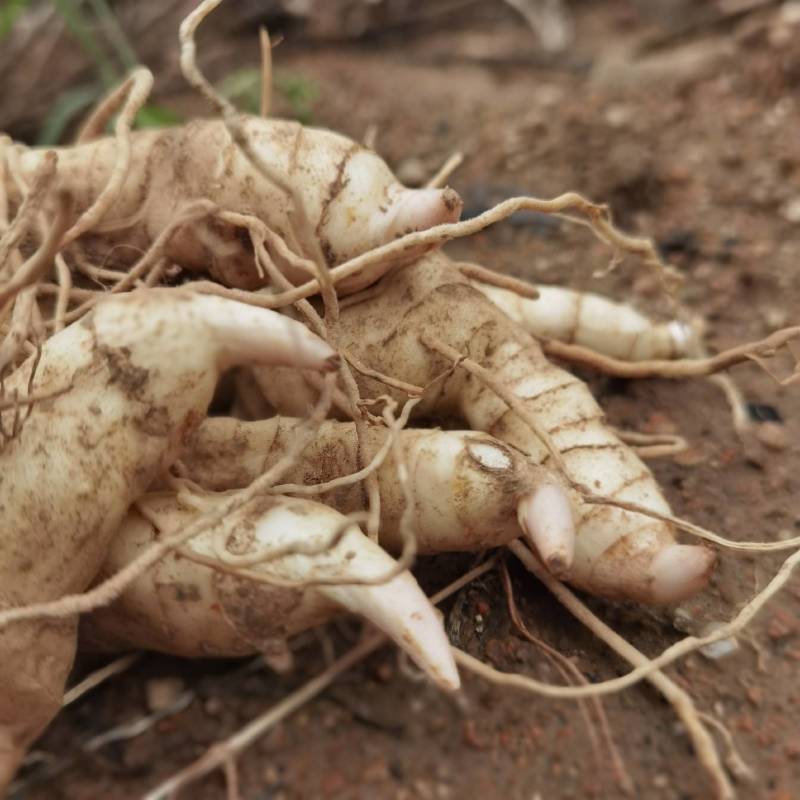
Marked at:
<point>694,141</point>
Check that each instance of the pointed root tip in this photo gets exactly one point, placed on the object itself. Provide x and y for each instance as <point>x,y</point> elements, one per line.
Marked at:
<point>545,516</point>
<point>332,363</point>
<point>680,571</point>
<point>559,563</point>
<point>403,612</point>
<point>453,204</point>
<point>445,675</point>
<point>422,636</point>
<point>426,208</point>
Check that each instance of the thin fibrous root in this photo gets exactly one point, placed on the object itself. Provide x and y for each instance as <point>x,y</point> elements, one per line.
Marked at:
<point>303,232</point>
<point>20,328</point>
<point>508,397</point>
<point>29,399</point>
<point>644,670</point>
<point>682,703</point>
<point>690,527</point>
<point>149,260</point>
<point>410,389</point>
<point>441,234</point>
<point>476,272</point>
<point>34,268</point>
<point>684,367</point>
<point>93,679</point>
<point>326,329</point>
<point>108,590</point>
<point>28,211</point>
<point>445,171</point>
<point>265,101</point>
<point>738,767</point>
<point>138,88</point>
<point>657,445</point>
<point>224,753</point>
<point>567,668</point>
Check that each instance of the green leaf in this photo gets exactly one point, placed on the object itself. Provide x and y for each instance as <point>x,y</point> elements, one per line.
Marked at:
<point>300,92</point>
<point>9,13</point>
<point>68,105</point>
<point>152,116</point>
<point>243,88</point>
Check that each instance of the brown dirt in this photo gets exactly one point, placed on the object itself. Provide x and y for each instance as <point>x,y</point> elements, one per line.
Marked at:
<point>695,144</point>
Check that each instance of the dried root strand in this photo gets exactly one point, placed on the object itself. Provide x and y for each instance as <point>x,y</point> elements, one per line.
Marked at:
<point>453,162</point>
<point>508,397</point>
<point>98,676</point>
<point>690,527</point>
<point>647,445</point>
<point>258,235</point>
<point>643,670</point>
<point>476,272</point>
<point>20,328</point>
<point>738,767</point>
<point>685,367</point>
<point>681,701</point>
<point>30,399</point>
<point>439,235</point>
<point>223,754</point>
<point>34,268</point>
<point>137,88</point>
<point>28,211</point>
<point>265,46</point>
<point>302,230</point>
<point>568,669</point>
<point>408,388</point>
<point>95,124</point>
<point>150,260</point>
<point>107,591</point>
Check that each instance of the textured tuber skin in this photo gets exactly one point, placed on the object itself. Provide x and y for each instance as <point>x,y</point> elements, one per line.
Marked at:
<point>593,321</point>
<point>189,609</point>
<point>352,200</point>
<point>141,370</point>
<point>468,486</point>
<point>618,554</point>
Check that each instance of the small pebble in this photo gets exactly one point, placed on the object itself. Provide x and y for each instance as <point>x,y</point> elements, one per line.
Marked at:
<point>772,435</point>
<point>782,625</point>
<point>213,706</point>
<point>790,12</point>
<point>270,775</point>
<point>755,695</point>
<point>791,210</point>
<point>775,317</point>
<point>720,649</point>
<point>161,693</point>
<point>619,115</point>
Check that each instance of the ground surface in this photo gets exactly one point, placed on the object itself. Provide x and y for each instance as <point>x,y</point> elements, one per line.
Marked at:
<point>694,143</point>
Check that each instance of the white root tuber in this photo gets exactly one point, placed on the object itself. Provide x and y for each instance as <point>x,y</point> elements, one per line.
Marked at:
<point>351,202</point>
<point>473,491</point>
<point>194,610</point>
<point>593,321</point>
<point>137,374</point>
<point>617,553</point>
